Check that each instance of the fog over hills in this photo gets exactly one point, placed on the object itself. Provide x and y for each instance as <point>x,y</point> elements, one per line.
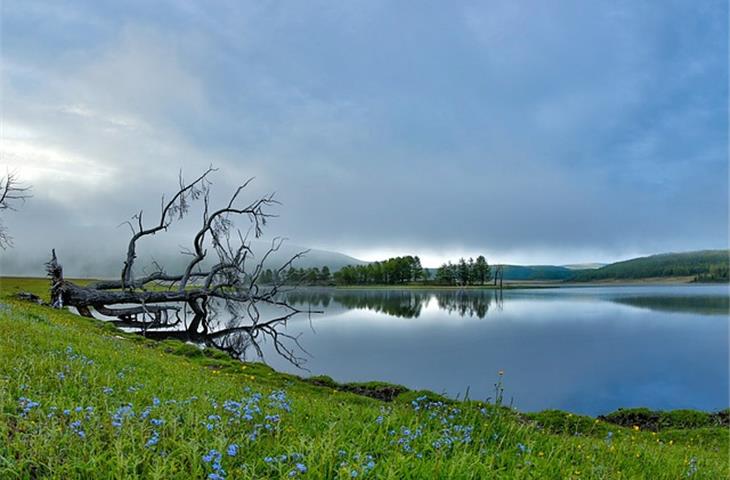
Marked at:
<point>106,263</point>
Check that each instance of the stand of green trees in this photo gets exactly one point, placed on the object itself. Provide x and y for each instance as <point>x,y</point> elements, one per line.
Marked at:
<point>471,272</point>
<point>393,271</point>
<point>299,276</point>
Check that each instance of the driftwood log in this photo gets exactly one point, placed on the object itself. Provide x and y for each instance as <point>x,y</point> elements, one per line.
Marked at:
<point>226,281</point>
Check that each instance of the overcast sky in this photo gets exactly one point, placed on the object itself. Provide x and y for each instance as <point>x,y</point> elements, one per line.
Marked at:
<point>530,131</point>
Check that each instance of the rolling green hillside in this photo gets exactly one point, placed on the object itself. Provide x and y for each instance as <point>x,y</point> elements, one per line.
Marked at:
<point>705,265</point>
<point>80,399</point>
<point>537,272</point>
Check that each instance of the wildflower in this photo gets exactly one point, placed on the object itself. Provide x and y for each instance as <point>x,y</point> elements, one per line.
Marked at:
<point>157,422</point>
<point>379,420</point>
<point>154,440</point>
<point>122,412</point>
<point>522,448</point>
<point>61,375</point>
<point>27,405</point>
<point>353,474</point>
<point>269,459</point>
<point>76,428</point>
<point>636,428</point>
<point>278,399</point>
<point>232,450</point>
<point>301,467</point>
<point>211,456</point>
<point>107,390</point>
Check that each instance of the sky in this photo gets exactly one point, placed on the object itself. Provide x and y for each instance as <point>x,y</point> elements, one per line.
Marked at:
<point>529,131</point>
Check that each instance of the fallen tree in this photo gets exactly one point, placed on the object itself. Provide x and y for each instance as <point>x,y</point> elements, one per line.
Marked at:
<point>189,304</point>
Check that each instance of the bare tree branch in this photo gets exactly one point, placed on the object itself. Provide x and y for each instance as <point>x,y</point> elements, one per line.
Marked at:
<point>226,286</point>
<point>12,193</point>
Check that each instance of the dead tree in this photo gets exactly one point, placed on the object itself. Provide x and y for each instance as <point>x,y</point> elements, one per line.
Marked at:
<point>215,299</point>
<point>499,276</point>
<point>12,192</point>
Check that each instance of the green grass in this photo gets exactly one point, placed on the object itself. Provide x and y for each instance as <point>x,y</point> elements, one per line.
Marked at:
<point>64,362</point>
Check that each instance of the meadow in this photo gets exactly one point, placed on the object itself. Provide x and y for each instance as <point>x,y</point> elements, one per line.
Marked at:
<point>81,399</point>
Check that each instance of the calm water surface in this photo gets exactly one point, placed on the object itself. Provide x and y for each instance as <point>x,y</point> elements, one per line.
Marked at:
<point>588,350</point>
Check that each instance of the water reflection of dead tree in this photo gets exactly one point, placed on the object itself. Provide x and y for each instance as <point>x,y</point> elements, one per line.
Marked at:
<point>220,275</point>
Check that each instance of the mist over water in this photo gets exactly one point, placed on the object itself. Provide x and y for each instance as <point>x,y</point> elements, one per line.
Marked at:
<point>586,350</point>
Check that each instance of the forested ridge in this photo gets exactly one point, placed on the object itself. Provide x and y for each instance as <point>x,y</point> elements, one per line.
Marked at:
<point>703,266</point>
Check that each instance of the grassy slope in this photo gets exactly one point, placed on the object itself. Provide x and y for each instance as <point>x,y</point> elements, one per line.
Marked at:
<point>686,264</point>
<point>64,362</point>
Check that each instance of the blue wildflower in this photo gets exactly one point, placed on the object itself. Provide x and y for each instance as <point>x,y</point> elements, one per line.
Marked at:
<point>76,428</point>
<point>154,439</point>
<point>232,450</point>
<point>212,456</point>
<point>27,405</point>
<point>122,412</point>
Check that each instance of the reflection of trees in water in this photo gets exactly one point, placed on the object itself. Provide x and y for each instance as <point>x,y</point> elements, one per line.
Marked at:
<point>314,298</point>
<point>473,303</point>
<point>397,303</point>
<point>402,303</point>
<point>701,304</point>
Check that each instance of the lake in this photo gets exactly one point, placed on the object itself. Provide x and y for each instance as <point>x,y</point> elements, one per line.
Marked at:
<point>587,350</point>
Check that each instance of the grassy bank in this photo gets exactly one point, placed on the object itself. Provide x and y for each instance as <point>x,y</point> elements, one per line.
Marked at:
<point>79,399</point>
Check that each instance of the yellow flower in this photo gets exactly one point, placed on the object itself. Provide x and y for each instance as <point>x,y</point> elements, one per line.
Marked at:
<point>671,442</point>
<point>636,427</point>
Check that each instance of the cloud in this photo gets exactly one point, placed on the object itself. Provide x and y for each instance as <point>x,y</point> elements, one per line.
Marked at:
<point>543,132</point>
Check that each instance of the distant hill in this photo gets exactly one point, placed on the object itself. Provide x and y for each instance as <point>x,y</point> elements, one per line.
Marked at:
<point>315,258</point>
<point>704,265</point>
<point>107,264</point>
<point>537,272</point>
